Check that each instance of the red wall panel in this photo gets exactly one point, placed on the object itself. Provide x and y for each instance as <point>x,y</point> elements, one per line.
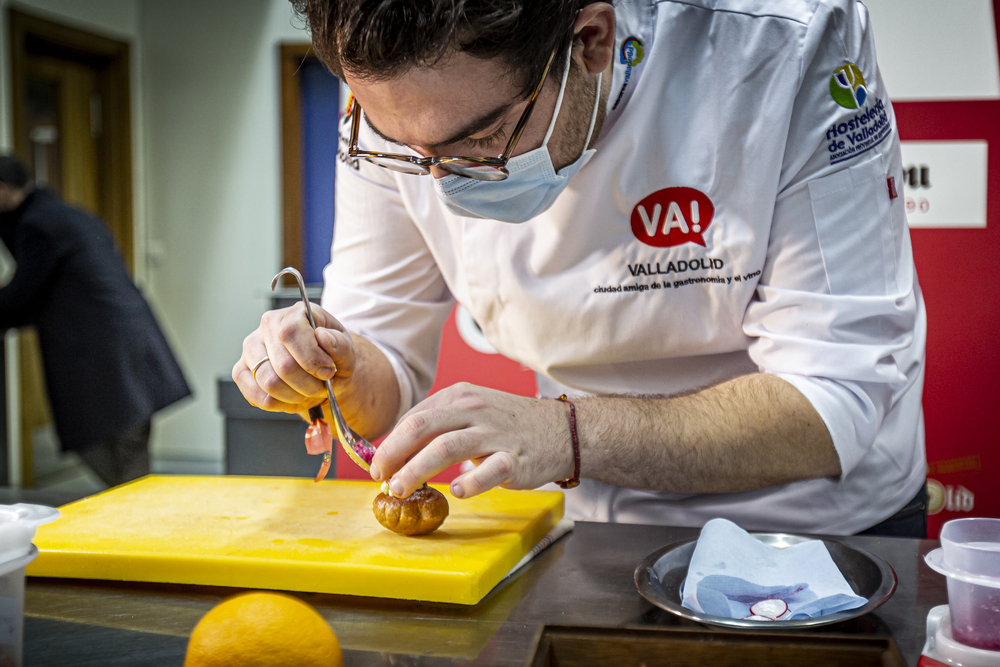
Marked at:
<point>957,269</point>
<point>958,273</point>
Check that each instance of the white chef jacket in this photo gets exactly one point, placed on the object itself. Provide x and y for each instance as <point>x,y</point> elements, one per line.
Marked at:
<point>740,215</point>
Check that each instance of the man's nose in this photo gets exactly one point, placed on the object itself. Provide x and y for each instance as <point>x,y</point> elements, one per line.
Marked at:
<point>439,172</point>
<point>436,171</point>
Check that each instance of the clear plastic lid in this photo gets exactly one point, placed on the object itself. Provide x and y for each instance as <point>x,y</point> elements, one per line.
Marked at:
<point>17,528</point>
<point>936,561</point>
<point>972,546</point>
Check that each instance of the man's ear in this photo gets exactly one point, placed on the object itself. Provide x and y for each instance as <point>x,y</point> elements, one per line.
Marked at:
<point>595,27</point>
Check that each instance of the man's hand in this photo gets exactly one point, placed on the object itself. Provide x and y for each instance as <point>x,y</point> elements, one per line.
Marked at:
<point>748,433</point>
<point>299,360</point>
<point>515,442</point>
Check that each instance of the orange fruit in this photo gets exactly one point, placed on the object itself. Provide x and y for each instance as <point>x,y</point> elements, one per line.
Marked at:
<point>262,630</point>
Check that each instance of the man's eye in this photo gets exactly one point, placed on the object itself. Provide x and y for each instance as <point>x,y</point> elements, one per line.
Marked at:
<point>487,142</point>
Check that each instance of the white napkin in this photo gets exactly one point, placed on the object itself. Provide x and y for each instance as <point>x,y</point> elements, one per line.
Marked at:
<point>730,571</point>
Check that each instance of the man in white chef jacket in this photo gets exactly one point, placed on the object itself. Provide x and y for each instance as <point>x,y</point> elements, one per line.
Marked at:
<point>700,240</point>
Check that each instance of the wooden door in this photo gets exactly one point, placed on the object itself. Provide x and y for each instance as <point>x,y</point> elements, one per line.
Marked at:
<point>62,112</point>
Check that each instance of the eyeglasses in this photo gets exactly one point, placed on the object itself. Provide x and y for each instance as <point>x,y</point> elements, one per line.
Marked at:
<point>478,168</point>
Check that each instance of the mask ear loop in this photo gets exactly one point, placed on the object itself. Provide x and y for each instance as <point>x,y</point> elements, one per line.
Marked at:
<point>559,99</point>
<point>597,99</point>
<point>593,114</point>
<point>562,91</point>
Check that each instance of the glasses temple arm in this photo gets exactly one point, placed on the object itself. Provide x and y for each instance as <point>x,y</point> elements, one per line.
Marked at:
<point>521,124</point>
<point>355,124</point>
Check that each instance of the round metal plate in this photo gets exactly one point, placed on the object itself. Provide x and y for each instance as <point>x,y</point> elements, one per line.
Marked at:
<point>660,575</point>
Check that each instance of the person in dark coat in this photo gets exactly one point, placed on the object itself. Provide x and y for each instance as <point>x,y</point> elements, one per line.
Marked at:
<point>108,367</point>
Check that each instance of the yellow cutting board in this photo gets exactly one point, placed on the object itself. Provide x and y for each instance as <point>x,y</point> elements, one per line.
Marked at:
<point>290,534</point>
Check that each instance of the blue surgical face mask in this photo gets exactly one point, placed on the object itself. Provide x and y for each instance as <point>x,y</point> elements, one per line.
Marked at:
<point>533,183</point>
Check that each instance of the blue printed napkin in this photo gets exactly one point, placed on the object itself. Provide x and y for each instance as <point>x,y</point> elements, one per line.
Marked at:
<point>730,571</point>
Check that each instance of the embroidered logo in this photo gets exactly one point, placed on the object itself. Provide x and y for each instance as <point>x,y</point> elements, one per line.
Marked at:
<point>672,216</point>
<point>847,86</point>
<point>631,51</point>
<point>631,55</point>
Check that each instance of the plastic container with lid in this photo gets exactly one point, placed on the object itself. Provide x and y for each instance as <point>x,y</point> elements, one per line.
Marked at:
<point>941,649</point>
<point>17,529</point>
<point>970,557</point>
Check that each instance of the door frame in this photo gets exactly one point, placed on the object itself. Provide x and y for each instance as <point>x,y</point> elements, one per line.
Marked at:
<point>292,55</point>
<point>31,34</point>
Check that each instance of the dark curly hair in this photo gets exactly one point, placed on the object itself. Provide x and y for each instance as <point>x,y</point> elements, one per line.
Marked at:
<point>379,40</point>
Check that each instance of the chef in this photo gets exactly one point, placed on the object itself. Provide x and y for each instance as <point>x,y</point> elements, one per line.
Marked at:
<point>693,231</point>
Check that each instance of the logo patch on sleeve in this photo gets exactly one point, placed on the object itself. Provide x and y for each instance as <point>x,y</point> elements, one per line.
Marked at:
<point>672,216</point>
<point>847,86</point>
<point>868,123</point>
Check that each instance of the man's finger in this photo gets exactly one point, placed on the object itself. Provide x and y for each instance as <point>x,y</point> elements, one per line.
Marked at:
<point>254,366</point>
<point>267,379</point>
<point>340,348</point>
<point>497,469</point>
<point>256,396</point>
<point>411,434</point>
<point>325,320</point>
<point>443,451</point>
<point>299,338</point>
<point>428,403</point>
<point>450,397</point>
<point>282,376</point>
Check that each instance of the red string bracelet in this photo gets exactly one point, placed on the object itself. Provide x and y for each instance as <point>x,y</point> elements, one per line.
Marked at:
<point>575,479</point>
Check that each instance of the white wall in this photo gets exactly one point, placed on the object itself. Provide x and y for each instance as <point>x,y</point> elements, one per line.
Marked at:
<point>936,49</point>
<point>212,122</point>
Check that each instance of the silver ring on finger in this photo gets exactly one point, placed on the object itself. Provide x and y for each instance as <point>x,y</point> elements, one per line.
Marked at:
<point>253,371</point>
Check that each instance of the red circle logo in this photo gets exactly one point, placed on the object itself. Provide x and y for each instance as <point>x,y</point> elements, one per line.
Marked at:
<point>672,216</point>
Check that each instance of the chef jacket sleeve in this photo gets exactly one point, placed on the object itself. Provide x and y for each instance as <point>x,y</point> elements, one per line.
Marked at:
<point>382,281</point>
<point>836,308</point>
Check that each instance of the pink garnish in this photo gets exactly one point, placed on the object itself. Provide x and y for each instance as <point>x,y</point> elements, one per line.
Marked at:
<point>366,454</point>
<point>359,454</point>
<point>770,609</point>
<point>319,438</point>
<point>325,468</point>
